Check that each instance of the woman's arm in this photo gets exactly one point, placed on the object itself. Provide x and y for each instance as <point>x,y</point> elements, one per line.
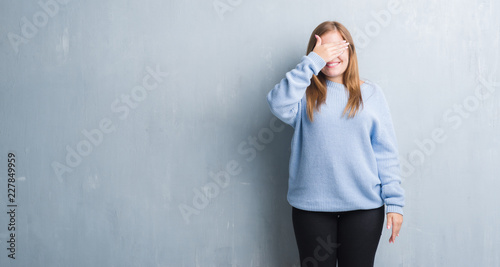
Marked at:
<point>284,99</point>
<point>385,147</point>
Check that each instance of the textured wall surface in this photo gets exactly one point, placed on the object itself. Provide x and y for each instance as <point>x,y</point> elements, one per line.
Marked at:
<point>141,134</point>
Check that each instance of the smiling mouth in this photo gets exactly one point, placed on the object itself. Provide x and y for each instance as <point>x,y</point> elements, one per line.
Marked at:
<point>333,64</point>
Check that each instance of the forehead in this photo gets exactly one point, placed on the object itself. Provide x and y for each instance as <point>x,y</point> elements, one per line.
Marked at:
<point>331,37</point>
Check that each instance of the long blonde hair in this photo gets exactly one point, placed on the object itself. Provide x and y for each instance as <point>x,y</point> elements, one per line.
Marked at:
<point>316,92</point>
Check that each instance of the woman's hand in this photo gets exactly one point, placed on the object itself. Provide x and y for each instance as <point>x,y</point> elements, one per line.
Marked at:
<point>329,51</point>
<point>395,220</point>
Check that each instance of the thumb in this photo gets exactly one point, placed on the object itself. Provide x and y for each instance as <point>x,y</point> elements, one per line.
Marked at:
<point>318,40</point>
<point>389,222</point>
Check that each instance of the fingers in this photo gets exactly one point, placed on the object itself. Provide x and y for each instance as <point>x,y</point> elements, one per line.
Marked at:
<point>329,51</point>
<point>318,40</point>
<point>395,220</point>
<point>337,46</point>
<point>338,49</point>
<point>395,230</point>
<point>389,224</point>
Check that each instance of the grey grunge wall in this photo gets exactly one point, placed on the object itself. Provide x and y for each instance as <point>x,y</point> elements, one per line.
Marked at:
<point>137,133</point>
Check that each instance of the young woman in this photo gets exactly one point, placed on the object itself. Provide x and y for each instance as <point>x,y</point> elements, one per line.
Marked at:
<point>344,162</point>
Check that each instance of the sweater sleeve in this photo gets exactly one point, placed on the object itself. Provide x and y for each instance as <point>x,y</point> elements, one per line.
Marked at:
<point>284,99</point>
<point>384,143</point>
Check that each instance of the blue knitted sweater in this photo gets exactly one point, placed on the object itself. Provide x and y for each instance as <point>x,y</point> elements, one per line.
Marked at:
<point>336,163</point>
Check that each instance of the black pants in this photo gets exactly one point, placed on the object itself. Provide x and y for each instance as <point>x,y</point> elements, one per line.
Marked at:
<point>351,237</point>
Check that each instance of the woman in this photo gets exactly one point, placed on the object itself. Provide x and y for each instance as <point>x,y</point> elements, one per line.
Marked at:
<point>344,162</point>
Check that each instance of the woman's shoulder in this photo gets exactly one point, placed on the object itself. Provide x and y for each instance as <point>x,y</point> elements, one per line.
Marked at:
<point>369,83</point>
<point>371,91</point>
<point>368,89</point>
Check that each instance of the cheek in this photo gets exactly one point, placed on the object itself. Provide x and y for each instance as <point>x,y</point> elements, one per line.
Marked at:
<point>345,57</point>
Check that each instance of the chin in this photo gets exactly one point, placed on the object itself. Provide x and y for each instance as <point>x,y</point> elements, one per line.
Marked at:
<point>334,75</point>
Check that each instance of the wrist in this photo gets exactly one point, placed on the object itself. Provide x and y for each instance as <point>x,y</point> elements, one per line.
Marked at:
<point>394,208</point>
<point>317,60</point>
